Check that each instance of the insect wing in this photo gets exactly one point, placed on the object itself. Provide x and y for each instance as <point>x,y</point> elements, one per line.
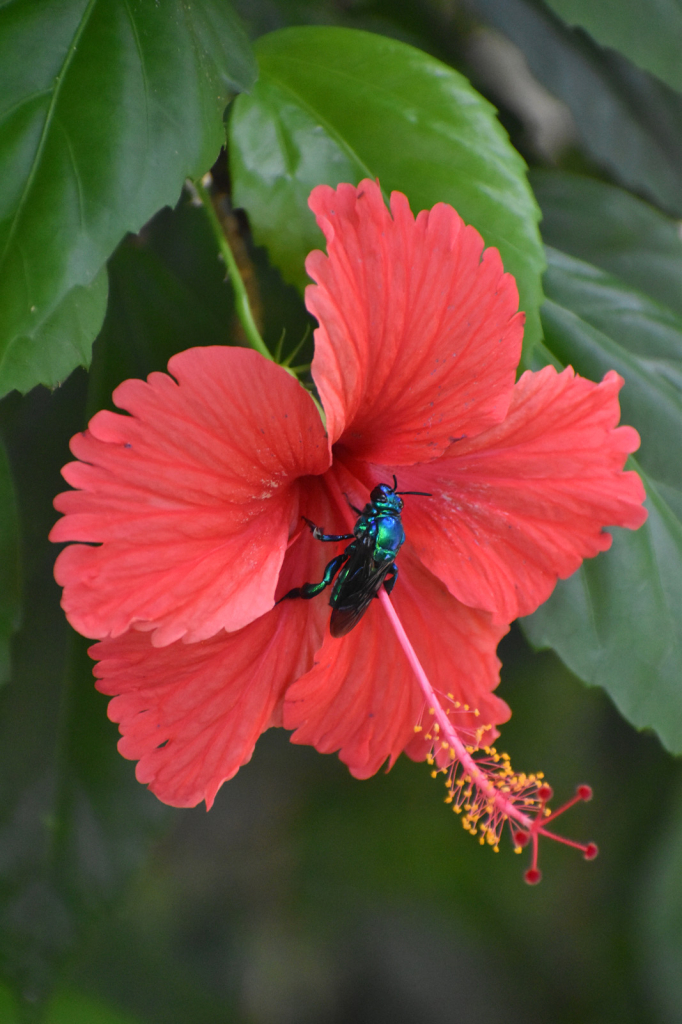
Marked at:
<point>360,586</point>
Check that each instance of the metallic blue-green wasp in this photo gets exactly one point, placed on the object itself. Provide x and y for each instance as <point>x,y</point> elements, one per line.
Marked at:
<point>367,562</point>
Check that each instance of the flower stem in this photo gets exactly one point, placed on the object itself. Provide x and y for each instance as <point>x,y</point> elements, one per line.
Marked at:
<point>241,297</point>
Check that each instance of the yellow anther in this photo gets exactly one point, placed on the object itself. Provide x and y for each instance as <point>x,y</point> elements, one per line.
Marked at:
<point>466,707</point>
<point>417,728</point>
<point>451,696</point>
<point>432,711</point>
<point>434,774</point>
<point>444,744</point>
<point>476,712</point>
<point>518,849</point>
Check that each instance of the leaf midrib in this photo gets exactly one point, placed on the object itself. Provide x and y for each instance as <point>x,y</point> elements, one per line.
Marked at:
<point>49,117</point>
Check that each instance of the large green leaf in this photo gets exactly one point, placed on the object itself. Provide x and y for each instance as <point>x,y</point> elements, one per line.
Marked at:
<point>641,337</point>
<point>337,105</point>
<point>649,32</point>
<point>614,230</point>
<point>616,622</point>
<point>105,107</point>
<point>629,122</point>
<point>10,570</point>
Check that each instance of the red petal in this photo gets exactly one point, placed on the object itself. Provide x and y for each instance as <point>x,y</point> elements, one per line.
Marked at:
<point>191,497</point>
<point>418,340</point>
<point>191,713</point>
<point>362,699</point>
<point>525,502</point>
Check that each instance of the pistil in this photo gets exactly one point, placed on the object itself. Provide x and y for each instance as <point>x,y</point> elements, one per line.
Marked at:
<point>485,787</point>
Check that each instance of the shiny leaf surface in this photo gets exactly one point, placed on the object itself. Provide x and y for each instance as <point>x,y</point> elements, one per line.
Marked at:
<point>106,106</point>
<point>337,105</point>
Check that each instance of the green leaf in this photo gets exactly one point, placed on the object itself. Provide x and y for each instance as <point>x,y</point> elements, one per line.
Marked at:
<point>648,33</point>
<point>336,105</point>
<point>614,230</point>
<point>616,622</point>
<point>105,107</point>
<point>595,323</point>
<point>629,122</point>
<point>10,568</point>
<point>62,341</point>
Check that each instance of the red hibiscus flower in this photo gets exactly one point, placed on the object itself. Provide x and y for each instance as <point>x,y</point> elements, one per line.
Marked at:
<point>189,513</point>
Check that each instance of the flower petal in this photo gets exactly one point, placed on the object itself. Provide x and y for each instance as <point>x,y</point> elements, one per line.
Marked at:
<point>190,498</point>
<point>362,699</point>
<point>419,338</point>
<point>524,503</point>
<point>191,712</point>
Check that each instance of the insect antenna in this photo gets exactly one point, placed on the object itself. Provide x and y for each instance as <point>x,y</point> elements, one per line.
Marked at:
<point>424,494</point>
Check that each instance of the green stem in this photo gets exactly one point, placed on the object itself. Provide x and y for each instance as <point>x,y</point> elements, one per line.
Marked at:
<point>242,304</point>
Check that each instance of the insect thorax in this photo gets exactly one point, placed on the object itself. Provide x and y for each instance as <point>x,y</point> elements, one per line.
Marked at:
<point>385,534</point>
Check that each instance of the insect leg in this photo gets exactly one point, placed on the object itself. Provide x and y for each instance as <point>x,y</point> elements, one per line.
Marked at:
<point>319,534</point>
<point>358,511</point>
<point>309,590</point>
<point>390,578</point>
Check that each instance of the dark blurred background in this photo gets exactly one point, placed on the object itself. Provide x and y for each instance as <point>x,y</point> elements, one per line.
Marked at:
<point>304,895</point>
